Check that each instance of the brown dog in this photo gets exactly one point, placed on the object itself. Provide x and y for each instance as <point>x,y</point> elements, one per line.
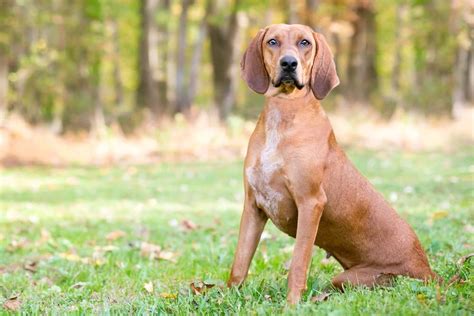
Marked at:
<point>298,176</point>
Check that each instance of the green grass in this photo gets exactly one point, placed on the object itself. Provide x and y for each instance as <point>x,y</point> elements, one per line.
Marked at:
<point>78,207</point>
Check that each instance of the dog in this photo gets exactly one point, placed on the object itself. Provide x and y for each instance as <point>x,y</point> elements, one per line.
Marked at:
<point>296,175</point>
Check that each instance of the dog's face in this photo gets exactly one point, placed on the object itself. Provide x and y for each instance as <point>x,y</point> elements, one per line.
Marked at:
<point>288,54</point>
<point>289,57</point>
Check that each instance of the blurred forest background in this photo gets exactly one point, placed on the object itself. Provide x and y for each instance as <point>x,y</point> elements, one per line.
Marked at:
<point>92,64</point>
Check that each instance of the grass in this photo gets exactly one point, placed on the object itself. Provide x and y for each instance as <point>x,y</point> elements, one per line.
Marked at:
<point>55,255</point>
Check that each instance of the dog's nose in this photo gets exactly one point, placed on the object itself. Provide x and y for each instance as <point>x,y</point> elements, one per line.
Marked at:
<point>288,63</point>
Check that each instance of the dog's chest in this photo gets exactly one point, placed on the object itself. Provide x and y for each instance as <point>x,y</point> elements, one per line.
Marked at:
<point>261,175</point>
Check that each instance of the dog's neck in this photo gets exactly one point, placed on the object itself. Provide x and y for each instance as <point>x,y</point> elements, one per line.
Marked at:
<point>295,101</point>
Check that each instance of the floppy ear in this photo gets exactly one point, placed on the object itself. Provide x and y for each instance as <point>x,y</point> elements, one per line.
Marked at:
<point>323,75</point>
<point>253,67</point>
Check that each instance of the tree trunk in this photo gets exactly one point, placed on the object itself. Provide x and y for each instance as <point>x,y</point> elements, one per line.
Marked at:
<point>3,84</point>
<point>162,41</point>
<point>116,70</point>
<point>463,90</point>
<point>149,68</point>
<point>223,51</point>
<point>290,9</point>
<point>397,60</point>
<point>311,6</point>
<point>197,57</point>
<point>5,32</point>
<point>182,96</point>
<point>361,71</point>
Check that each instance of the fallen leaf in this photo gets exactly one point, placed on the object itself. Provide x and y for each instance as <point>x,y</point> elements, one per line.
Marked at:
<point>108,248</point>
<point>166,255</point>
<point>439,215</point>
<point>188,225</point>
<point>320,297</point>
<point>71,256</point>
<point>168,295</point>
<point>45,236</point>
<point>79,285</point>
<point>463,259</point>
<point>149,250</point>
<point>421,298</point>
<point>12,304</point>
<point>115,235</point>
<point>199,287</point>
<point>17,244</point>
<point>31,266</point>
<point>154,252</point>
<point>149,287</point>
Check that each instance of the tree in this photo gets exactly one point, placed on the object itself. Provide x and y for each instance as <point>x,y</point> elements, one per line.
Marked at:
<point>361,71</point>
<point>463,29</point>
<point>5,33</point>
<point>223,35</point>
<point>182,103</point>
<point>152,88</point>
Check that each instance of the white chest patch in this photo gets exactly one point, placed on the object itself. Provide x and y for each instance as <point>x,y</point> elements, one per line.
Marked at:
<point>260,175</point>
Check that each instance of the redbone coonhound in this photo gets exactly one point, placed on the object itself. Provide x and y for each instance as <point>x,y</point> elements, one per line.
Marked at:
<point>297,175</point>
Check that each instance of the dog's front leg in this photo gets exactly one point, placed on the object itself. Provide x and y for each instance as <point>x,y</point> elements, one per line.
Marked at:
<point>309,214</point>
<point>251,227</point>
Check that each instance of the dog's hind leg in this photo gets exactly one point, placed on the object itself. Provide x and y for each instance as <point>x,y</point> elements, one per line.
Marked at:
<point>368,277</point>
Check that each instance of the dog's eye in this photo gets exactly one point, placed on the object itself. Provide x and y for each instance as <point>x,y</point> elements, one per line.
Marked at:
<point>305,43</point>
<point>272,42</point>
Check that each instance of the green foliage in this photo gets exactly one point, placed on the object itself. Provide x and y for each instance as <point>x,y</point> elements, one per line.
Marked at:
<point>62,54</point>
<point>57,217</point>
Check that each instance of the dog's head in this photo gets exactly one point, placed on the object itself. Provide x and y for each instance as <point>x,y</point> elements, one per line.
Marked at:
<point>289,57</point>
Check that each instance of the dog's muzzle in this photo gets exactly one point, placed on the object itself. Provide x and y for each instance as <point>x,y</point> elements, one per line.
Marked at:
<point>288,79</point>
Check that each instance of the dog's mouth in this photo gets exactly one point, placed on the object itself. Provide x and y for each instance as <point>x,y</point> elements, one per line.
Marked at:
<point>288,80</point>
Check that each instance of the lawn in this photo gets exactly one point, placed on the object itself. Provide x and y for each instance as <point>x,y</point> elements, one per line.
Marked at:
<point>123,240</point>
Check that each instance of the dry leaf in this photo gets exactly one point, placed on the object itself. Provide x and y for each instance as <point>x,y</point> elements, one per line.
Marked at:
<point>439,215</point>
<point>188,225</point>
<point>421,298</point>
<point>115,235</point>
<point>168,295</point>
<point>17,244</point>
<point>199,287</point>
<point>167,255</point>
<point>463,259</point>
<point>31,266</point>
<point>78,285</point>
<point>149,287</point>
<point>12,304</point>
<point>154,252</point>
<point>70,256</point>
<point>73,257</point>
<point>149,250</point>
<point>45,235</point>
<point>320,297</point>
